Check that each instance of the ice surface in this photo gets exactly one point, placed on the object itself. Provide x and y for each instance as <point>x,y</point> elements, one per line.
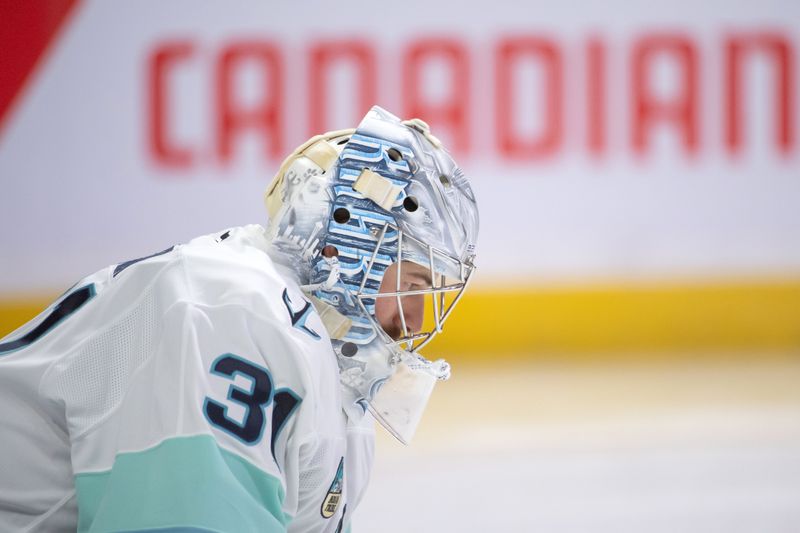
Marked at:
<point>672,446</point>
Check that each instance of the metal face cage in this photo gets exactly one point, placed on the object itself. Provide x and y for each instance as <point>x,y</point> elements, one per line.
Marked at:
<point>449,277</point>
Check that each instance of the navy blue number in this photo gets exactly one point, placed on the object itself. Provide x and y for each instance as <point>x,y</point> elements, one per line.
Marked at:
<point>285,403</point>
<point>255,400</point>
<point>68,305</point>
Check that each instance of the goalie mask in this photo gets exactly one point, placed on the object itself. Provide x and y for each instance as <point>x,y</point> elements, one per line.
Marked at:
<point>345,207</point>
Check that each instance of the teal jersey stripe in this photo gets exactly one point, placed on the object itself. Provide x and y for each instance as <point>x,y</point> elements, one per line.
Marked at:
<point>183,484</point>
<point>172,530</point>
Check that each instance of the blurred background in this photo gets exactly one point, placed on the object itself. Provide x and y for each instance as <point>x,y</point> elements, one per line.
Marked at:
<point>629,356</point>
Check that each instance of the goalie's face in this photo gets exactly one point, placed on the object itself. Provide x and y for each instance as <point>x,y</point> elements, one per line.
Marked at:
<point>403,315</point>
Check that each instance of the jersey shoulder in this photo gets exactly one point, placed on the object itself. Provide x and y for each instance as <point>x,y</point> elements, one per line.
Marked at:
<point>233,269</point>
<point>230,268</point>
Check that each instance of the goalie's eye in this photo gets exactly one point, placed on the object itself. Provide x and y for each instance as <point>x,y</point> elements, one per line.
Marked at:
<point>415,277</point>
<point>408,285</point>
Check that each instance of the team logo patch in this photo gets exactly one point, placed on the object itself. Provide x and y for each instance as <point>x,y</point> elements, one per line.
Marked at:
<point>334,496</point>
<point>299,317</point>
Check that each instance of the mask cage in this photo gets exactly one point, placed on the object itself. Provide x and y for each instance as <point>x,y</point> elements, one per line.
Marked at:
<point>449,278</point>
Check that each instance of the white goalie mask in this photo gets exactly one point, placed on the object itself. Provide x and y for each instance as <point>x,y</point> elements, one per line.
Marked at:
<point>346,206</point>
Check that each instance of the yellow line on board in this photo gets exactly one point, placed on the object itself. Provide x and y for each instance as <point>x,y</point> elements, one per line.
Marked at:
<point>14,312</point>
<point>595,321</point>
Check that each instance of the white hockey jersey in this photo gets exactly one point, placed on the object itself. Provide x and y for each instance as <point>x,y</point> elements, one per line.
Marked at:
<point>192,390</point>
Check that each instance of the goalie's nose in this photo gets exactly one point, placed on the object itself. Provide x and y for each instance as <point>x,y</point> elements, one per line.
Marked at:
<point>404,315</point>
<point>413,312</point>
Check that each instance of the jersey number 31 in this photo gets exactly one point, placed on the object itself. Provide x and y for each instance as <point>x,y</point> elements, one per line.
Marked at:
<point>255,399</point>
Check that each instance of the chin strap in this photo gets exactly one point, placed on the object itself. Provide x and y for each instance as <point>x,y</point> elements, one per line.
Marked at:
<point>335,322</point>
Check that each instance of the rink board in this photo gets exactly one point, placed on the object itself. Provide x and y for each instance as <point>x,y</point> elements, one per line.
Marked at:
<point>602,320</point>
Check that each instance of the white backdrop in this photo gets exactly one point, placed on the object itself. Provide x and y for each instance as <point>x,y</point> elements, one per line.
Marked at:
<point>125,140</point>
